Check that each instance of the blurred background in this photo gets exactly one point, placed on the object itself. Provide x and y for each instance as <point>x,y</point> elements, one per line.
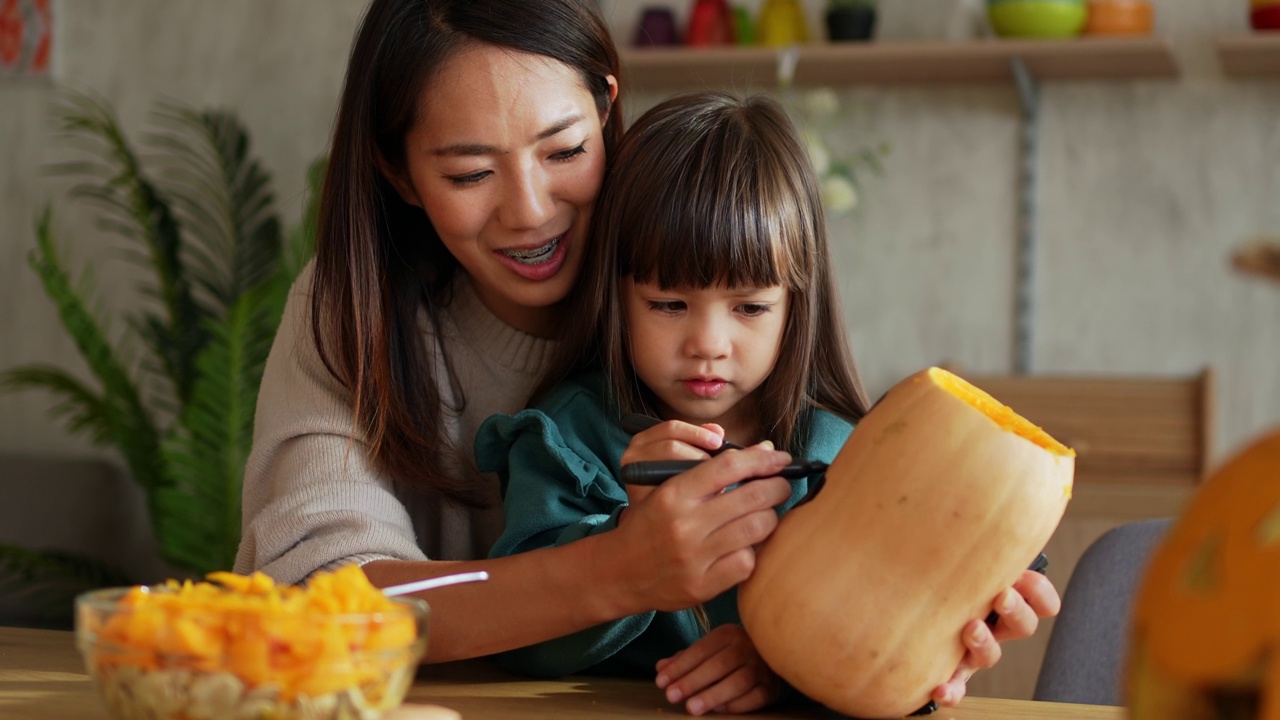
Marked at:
<point>1146,187</point>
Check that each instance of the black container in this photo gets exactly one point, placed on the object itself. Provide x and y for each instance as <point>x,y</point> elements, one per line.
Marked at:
<point>851,23</point>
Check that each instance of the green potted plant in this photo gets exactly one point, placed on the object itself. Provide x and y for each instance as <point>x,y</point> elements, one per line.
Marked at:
<point>175,386</point>
<point>851,20</point>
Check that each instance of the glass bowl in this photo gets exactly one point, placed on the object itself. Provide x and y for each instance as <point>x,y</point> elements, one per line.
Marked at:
<point>160,660</point>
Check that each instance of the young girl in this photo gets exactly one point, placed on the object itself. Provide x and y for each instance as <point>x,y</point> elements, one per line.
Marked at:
<point>709,302</point>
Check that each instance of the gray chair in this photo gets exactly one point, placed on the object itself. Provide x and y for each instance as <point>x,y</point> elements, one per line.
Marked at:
<point>1084,661</point>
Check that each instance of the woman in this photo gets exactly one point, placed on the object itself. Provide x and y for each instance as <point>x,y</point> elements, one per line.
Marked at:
<point>470,144</point>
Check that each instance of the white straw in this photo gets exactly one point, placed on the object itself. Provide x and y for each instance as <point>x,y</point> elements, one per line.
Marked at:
<point>435,582</point>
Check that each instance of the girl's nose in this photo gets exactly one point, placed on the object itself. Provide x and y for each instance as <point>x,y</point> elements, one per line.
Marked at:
<point>708,341</point>
<point>529,200</point>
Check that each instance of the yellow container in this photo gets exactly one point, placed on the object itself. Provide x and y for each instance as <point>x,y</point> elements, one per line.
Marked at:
<point>782,23</point>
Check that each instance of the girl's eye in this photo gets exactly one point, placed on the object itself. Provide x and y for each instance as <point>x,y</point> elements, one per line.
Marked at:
<point>471,179</point>
<point>755,309</point>
<point>570,154</point>
<point>669,307</point>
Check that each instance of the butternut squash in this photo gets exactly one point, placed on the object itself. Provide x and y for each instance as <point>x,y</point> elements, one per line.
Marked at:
<point>937,502</point>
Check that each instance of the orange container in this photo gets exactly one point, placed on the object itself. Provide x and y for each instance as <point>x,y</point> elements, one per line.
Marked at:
<point>1120,17</point>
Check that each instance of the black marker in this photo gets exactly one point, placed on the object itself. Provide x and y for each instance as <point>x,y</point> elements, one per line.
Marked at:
<point>656,472</point>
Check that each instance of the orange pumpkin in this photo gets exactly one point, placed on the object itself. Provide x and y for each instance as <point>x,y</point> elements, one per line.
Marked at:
<point>1206,626</point>
<point>937,502</point>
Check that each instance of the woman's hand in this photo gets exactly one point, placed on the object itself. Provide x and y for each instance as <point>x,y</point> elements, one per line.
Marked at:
<point>722,672</point>
<point>670,440</point>
<point>689,541</point>
<point>1020,608</point>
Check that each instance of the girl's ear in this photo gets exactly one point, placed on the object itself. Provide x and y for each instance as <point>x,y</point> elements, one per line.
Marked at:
<point>613,97</point>
<point>398,181</point>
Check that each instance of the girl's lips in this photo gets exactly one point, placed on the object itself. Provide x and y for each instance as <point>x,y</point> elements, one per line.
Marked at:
<point>707,388</point>
<point>541,271</point>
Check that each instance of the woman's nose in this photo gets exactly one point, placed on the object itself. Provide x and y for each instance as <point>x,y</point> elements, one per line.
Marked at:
<point>529,201</point>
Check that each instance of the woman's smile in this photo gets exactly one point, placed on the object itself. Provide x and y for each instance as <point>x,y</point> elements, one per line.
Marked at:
<point>536,263</point>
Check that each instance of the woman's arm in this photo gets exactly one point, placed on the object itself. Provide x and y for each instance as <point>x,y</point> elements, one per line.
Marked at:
<point>687,543</point>
<point>311,498</point>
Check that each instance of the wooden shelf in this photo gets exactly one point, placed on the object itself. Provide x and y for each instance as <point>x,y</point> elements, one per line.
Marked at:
<point>1253,55</point>
<point>884,63</point>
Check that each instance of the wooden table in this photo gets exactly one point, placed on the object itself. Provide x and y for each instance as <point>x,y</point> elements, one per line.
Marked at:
<point>43,678</point>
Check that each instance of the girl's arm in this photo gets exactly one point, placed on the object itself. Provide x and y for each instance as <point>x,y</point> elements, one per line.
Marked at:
<point>1020,608</point>
<point>686,544</point>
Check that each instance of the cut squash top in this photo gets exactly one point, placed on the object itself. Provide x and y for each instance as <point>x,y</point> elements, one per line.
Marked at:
<point>998,412</point>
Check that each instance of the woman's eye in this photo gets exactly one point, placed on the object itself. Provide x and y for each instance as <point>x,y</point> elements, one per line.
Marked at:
<point>755,309</point>
<point>666,306</point>
<point>570,154</point>
<point>470,179</point>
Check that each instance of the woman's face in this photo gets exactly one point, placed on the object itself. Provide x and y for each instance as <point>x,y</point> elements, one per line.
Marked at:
<point>506,159</point>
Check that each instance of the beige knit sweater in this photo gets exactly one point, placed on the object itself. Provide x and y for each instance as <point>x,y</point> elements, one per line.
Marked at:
<point>313,501</point>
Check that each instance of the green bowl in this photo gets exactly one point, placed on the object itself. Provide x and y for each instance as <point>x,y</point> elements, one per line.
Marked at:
<point>1038,18</point>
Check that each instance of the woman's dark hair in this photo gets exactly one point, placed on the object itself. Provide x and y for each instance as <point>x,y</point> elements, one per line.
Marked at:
<point>379,262</point>
<point>708,189</point>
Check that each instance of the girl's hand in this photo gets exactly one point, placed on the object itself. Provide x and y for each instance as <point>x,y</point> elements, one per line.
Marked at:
<point>689,541</point>
<point>670,440</point>
<point>1020,608</point>
<point>722,672</point>
<point>674,440</point>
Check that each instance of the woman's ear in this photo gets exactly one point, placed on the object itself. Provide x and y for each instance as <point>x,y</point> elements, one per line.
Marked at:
<point>404,187</point>
<point>613,97</point>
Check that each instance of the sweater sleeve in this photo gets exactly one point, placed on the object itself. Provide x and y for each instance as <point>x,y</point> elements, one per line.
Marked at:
<point>559,486</point>
<point>311,499</point>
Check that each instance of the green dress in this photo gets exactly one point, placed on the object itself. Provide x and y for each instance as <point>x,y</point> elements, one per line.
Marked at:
<point>559,465</point>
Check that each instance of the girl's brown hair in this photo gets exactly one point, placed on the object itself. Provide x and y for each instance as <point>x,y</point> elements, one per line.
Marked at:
<point>708,189</point>
<point>379,262</point>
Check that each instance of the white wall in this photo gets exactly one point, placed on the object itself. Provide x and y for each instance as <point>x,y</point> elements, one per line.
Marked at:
<point>1147,187</point>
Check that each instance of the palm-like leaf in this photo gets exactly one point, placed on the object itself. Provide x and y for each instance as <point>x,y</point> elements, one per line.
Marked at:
<point>223,198</point>
<point>132,207</point>
<point>83,410</point>
<point>47,581</point>
<point>117,413</point>
<point>42,565</point>
<point>301,244</point>
<point>211,223</point>
<point>200,515</point>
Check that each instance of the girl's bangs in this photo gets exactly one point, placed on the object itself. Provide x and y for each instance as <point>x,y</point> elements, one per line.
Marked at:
<point>739,231</point>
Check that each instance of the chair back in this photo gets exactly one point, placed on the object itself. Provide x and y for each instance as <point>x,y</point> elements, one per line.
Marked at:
<point>1085,659</point>
<point>1146,430</point>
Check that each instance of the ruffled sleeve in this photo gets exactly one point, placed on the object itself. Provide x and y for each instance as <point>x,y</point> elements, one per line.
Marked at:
<point>558,467</point>
<point>554,490</point>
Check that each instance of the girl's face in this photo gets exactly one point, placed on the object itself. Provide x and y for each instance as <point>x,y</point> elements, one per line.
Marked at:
<point>507,159</point>
<point>703,352</point>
